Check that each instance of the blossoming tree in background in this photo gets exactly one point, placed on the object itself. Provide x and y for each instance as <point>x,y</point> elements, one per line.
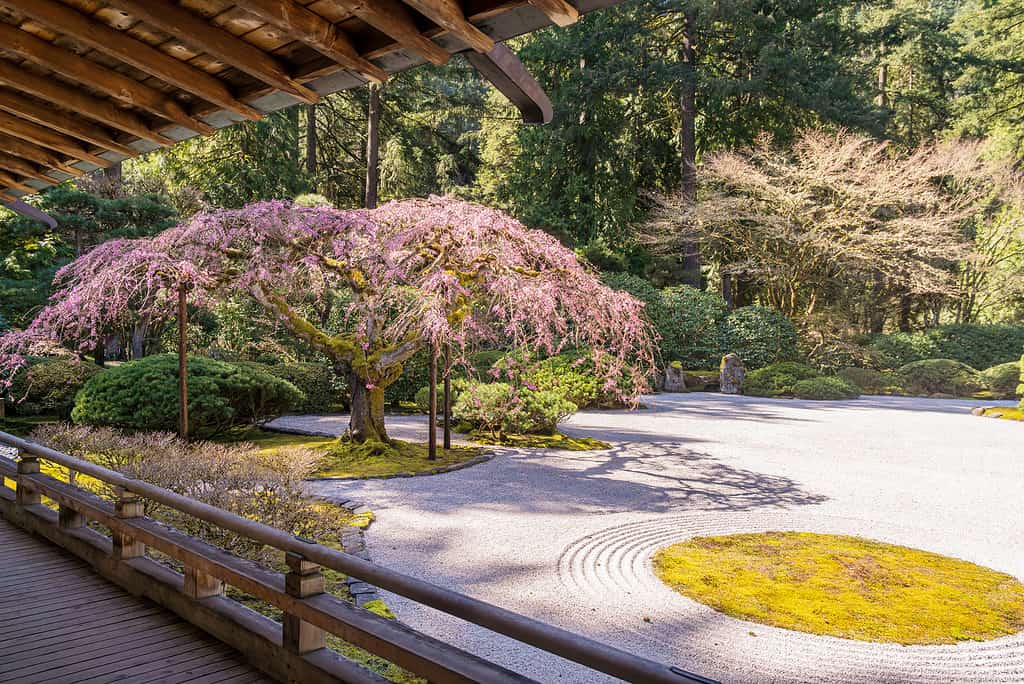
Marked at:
<point>410,275</point>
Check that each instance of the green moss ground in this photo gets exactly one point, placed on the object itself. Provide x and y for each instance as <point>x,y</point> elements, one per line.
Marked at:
<point>1007,413</point>
<point>555,441</point>
<point>373,459</point>
<point>21,426</point>
<point>846,587</point>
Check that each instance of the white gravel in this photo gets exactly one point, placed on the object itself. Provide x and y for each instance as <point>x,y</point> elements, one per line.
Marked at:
<point>567,537</point>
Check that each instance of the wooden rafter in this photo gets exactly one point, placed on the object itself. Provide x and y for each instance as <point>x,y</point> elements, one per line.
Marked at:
<point>121,46</point>
<point>114,84</point>
<point>21,167</point>
<point>26,130</point>
<point>392,18</point>
<point>560,12</point>
<point>194,30</point>
<point>46,116</point>
<point>34,153</point>
<point>4,197</point>
<point>448,15</point>
<point>10,182</point>
<point>310,28</point>
<point>78,101</point>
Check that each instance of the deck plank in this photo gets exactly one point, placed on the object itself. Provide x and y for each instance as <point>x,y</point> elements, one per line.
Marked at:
<point>60,622</point>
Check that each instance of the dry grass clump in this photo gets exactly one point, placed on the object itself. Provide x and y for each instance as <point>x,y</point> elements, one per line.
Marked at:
<point>263,485</point>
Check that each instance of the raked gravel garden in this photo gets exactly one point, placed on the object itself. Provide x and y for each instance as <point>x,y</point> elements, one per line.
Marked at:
<point>569,537</point>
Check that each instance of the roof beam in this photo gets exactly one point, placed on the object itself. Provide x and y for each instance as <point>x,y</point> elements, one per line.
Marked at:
<point>13,103</point>
<point>10,182</point>
<point>507,73</point>
<point>78,101</point>
<point>448,15</point>
<point>116,85</point>
<point>23,168</point>
<point>560,12</point>
<point>121,46</point>
<point>4,197</point>
<point>199,33</point>
<point>26,130</point>
<point>393,19</point>
<point>308,27</point>
<point>36,154</point>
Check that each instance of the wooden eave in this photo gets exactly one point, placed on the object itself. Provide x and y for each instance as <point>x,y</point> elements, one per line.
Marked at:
<point>87,83</point>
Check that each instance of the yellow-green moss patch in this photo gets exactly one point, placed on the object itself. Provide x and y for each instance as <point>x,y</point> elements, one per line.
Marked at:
<point>269,440</point>
<point>1005,412</point>
<point>555,441</point>
<point>343,458</point>
<point>846,587</point>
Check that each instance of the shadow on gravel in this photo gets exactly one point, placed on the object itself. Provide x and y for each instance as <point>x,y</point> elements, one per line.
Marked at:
<point>649,477</point>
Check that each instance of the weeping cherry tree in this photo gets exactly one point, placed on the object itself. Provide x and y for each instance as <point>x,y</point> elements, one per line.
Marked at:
<point>410,275</point>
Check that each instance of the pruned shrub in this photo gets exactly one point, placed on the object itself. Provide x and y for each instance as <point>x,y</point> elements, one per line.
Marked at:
<point>423,395</point>
<point>574,377</point>
<point>825,388</point>
<point>1020,387</point>
<point>867,380</point>
<point>835,355</point>
<point>977,345</point>
<point>940,376</point>
<point>1003,380</point>
<point>498,408</point>
<point>776,380</point>
<point>689,321</point>
<point>261,485</point>
<point>760,336</point>
<point>49,386</point>
<point>143,395</point>
<point>322,388</point>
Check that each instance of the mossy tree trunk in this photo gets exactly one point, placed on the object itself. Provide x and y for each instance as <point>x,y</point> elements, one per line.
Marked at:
<point>367,420</point>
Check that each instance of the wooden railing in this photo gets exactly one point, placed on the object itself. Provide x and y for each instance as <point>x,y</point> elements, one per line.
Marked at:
<point>294,650</point>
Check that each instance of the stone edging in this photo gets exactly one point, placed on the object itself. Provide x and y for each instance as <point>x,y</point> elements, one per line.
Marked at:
<point>476,460</point>
<point>353,540</point>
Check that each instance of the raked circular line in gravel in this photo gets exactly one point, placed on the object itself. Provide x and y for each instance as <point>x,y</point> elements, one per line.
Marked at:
<point>615,565</point>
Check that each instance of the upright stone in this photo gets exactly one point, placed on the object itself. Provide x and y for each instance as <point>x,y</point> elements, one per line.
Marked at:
<point>731,374</point>
<point>675,380</point>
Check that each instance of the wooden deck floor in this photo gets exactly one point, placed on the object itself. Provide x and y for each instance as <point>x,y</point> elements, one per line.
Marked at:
<point>62,624</point>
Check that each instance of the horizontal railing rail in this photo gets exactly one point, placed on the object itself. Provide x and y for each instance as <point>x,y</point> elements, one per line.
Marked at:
<point>308,611</point>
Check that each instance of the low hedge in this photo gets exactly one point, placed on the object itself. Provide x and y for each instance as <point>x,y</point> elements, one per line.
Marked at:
<point>48,386</point>
<point>825,388</point>
<point>977,345</point>
<point>143,395</point>
<point>760,336</point>
<point>940,376</point>
<point>776,380</point>
<point>323,390</point>
<point>867,380</point>
<point>498,408</point>
<point>1003,380</point>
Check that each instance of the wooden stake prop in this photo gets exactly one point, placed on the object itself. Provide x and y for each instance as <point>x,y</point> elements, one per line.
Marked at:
<point>182,364</point>
<point>447,397</point>
<point>432,429</point>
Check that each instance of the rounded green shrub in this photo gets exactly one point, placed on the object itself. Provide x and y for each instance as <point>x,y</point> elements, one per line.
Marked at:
<point>867,380</point>
<point>323,389</point>
<point>572,376</point>
<point>776,380</point>
<point>498,408</point>
<point>415,374</point>
<point>977,345</point>
<point>760,336</point>
<point>940,376</point>
<point>1020,387</point>
<point>825,388</point>
<point>143,395</point>
<point>689,321</point>
<point>49,385</point>
<point>1003,380</point>
<point>423,395</point>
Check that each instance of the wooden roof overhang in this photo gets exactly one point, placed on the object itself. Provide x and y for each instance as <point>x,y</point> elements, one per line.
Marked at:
<point>86,83</point>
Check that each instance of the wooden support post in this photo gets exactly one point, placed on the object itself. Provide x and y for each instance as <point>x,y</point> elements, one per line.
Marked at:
<point>26,495</point>
<point>182,363</point>
<point>447,397</point>
<point>302,581</point>
<point>199,585</point>
<point>69,518</point>
<point>432,427</point>
<point>127,505</point>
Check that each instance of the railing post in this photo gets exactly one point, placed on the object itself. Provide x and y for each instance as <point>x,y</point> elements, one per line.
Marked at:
<point>199,585</point>
<point>303,580</point>
<point>69,518</point>
<point>127,505</point>
<point>26,495</point>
